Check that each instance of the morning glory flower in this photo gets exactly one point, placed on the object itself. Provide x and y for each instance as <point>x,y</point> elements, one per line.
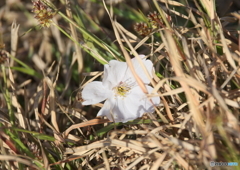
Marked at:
<point>125,100</point>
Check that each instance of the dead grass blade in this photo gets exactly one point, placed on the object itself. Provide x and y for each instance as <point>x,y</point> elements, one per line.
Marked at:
<point>158,162</point>
<point>14,40</point>
<point>78,56</point>
<point>182,162</point>
<point>171,46</point>
<point>83,124</point>
<point>18,159</point>
<point>52,106</point>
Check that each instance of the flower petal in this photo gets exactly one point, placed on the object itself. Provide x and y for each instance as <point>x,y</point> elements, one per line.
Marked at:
<point>139,70</point>
<point>106,110</point>
<point>124,112</point>
<point>134,105</point>
<point>115,110</point>
<point>94,92</point>
<point>114,73</point>
<point>140,102</point>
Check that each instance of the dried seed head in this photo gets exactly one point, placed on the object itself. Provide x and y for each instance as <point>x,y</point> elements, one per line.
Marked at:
<point>42,13</point>
<point>3,54</point>
<point>155,20</point>
<point>142,29</point>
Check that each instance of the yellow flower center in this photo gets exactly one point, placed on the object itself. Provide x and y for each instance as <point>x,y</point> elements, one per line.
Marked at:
<point>122,89</point>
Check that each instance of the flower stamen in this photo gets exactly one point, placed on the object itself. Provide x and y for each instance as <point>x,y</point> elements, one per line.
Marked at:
<point>122,89</point>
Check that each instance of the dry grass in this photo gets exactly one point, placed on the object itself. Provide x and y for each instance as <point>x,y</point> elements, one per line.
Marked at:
<point>196,56</point>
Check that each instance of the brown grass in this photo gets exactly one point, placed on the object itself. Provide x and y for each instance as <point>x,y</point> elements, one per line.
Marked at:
<point>196,56</point>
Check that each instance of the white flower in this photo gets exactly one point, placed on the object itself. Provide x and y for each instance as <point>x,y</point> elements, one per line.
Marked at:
<point>125,100</point>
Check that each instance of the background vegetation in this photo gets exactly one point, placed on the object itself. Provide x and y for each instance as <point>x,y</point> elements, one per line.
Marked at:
<point>50,50</point>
